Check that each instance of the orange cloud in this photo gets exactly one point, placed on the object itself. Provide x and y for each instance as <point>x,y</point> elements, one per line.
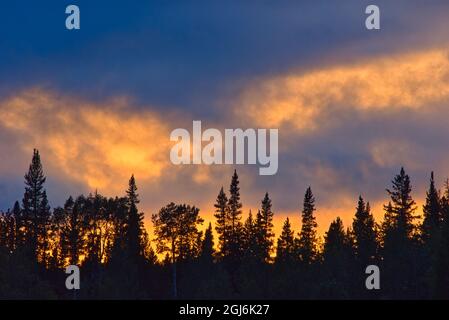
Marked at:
<point>99,145</point>
<point>406,81</point>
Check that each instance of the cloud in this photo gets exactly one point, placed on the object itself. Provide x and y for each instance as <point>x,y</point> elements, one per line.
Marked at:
<point>309,101</point>
<point>99,146</point>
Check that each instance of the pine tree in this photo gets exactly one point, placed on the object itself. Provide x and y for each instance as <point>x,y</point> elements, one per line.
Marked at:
<point>36,212</point>
<point>432,212</point>
<point>403,206</point>
<point>337,265</point>
<point>364,229</point>
<point>235,213</point>
<point>264,229</point>
<point>222,225</point>
<point>250,237</point>
<point>307,237</point>
<point>285,249</point>
<point>134,228</point>
<point>207,246</point>
<point>399,239</point>
<point>334,241</point>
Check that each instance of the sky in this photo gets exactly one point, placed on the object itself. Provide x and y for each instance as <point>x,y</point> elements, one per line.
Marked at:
<point>352,105</point>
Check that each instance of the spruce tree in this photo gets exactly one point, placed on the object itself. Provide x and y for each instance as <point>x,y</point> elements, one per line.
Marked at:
<point>235,213</point>
<point>264,229</point>
<point>36,212</point>
<point>285,249</point>
<point>222,224</point>
<point>334,241</point>
<point>432,212</point>
<point>207,246</point>
<point>364,229</point>
<point>308,235</point>
<point>403,206</point>
<point>134,228</point>
<point>399,239</point>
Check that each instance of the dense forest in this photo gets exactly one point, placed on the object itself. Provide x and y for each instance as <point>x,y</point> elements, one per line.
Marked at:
<point>118,259</point>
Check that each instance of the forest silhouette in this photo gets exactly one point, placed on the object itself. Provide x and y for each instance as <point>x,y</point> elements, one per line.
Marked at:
<point>242,259</point>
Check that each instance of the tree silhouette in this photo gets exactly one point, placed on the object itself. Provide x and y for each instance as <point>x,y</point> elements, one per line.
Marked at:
<point>307,244</point>
<point>71,226</point>
<point>403,206</point>
<point>337,256</point>
<point>135,229</point>
<point>207,246</point>
<point>285,249</point>
<point>250,237</point>
<point>264,230</point>
<point>106,236</point>
<point>432,212</point>
<point>235,213</point>
<point>222,225</point>
<point>364,228</point>
<point>176,231</point>
<point>36,211</point>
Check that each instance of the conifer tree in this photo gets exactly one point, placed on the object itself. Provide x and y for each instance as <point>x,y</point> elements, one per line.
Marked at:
<point>264,229</point>
<point>222,225</point>
<point>36,211</point>
<point>134,228</point>
<point>285,249</point>
<point>207,246</point>
<point>307,237</point>
<point>403,206</point>
<point>250,237</point>
<point>432,212</point>
<point>365,235</point>
<point>334,241</point>
<point>235,213</point>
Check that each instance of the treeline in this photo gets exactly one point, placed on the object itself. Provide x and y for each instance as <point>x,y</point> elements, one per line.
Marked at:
<point>106,237</point>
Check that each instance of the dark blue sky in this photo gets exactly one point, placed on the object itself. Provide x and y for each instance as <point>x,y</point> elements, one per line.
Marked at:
<point>181,53</point>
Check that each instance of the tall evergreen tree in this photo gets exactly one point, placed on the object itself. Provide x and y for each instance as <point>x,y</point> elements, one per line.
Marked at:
<point>285,249</point>
<point>364,228</point>
<point>334,240</point>
<point>337,265</point>
<point>308,236</point>
<point>222,224</point>
<point>399,250</point>
<point>432,212</point>
<point>36,211</point>
<point>264,229</point>
<point>403,206</point>
<point>235,215</point>
<point>207,246</point>
<point>135,227</point>
<point>250,237</point>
